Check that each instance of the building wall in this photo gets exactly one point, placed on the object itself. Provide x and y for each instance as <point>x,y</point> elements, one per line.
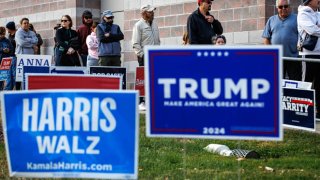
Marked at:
<point>243,20</point>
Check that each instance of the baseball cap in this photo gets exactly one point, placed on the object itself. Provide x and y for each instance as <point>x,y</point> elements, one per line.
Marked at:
<point>148,8</point>
<point>199,1</point>
<point>107,13</point>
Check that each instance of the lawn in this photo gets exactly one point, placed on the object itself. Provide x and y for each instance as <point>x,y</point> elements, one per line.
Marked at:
<point>297,157</point>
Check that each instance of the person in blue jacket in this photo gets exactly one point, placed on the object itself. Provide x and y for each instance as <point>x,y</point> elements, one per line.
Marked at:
<point>6,48</point>
<point>109,36</point>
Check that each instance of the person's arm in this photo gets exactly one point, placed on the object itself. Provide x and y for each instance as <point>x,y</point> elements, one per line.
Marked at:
<point>136,40</point>
<point>117,37</point>
<point>217,27</point>
<point>34,39</point>
<point>22,41</point>
<point>60,40</point>
<point>102,35</point>
<point>192,30</point>
<point>91,43</point>
<point>266,41</point>
<point>40,41</point>
<point>306,24</point>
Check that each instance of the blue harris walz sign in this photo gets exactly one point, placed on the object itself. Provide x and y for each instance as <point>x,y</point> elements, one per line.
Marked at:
<point>78,134</point>
<point>214,92</point>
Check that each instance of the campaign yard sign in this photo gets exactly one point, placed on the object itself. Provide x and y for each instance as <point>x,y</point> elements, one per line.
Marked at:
<point>71,133</point>
<point>30,60</point>
<point>68,70</point>
<point>139,85</point>
<point>299,108</point>
<point>216,92</point>
<point>5,67</point>
<point>71,81</point>
<point>110,71</point>
<point>33,70</point>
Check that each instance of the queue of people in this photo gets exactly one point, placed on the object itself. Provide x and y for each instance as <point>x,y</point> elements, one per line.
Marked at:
<point>98,43</point>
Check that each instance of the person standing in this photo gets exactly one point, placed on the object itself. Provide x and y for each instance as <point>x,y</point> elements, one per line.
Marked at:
<point>83,32</point>
<point>309,22</point>
<point>6,48</point>
<point>10,81</point>
<point>26,40</point>
<point>93,45</point>
<point>282,29</point>
<point>145,32</point>
<point>109,36</point>
<point>201,25</point>
<point>68,44</point>
<point>40,41</point>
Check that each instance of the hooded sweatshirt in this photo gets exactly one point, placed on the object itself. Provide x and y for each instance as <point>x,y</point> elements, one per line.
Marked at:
<point>25,40</point>
<point>308,21</point>
<point>83,32</point>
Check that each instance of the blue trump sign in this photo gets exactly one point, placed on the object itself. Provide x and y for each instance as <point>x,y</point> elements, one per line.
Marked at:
<point>71,133</point>
<point>214,92</point>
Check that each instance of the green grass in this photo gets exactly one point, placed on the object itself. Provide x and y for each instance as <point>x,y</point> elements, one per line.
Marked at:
<point>297,157</point>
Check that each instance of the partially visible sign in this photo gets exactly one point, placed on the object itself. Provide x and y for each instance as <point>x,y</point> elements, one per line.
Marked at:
<point>296,84</point>
<point>71,81</point>
<point>71,133</point>
<point>139,85</point>
<point>219,92</point>
<point>30,60</point>
<point>68,70</point>
<point>4,68</point>
<point>33,69</point>
<point>299,108</point>
<point>110,71</point>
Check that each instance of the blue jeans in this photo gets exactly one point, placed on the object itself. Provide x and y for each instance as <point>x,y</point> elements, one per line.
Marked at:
<point>91,61</point>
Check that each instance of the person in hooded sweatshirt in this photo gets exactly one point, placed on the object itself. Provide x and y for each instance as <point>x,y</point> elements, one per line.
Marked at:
<point>83,32</point>
<point>6,48</point>
<point>93,45</point>
<point>309,22</point>
<point>26,40</point>
<point>109,36</point>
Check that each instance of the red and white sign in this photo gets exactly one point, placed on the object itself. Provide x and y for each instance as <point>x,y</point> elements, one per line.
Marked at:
<point>6,63</point>
<point>71,81</point>
<point>139,85</point>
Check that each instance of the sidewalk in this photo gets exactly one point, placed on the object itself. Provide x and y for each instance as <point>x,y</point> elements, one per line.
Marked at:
<point>318,127</point>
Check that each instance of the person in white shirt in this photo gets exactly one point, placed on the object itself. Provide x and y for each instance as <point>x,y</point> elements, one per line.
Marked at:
<point>309,22</point>
<point>145,32</point>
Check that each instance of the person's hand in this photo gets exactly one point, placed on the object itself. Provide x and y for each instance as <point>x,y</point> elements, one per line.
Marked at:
<point>210,18</point>
<point>35,49</point>
<point>70,51</point>
<point>6,50</point>
<point>107,34</point>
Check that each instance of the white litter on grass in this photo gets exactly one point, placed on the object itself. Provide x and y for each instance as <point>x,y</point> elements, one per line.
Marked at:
<point>220,149</point>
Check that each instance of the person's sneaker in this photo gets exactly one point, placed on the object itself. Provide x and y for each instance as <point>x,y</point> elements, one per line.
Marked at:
<point>142,107</point>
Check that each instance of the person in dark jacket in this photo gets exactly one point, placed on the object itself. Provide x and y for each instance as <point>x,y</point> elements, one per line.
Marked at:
<point>83,32</point>
<point>68,44</point>
<point>10,81</point>
<point>109,36</point>
<point>201,25</point>
<point>6,48</point>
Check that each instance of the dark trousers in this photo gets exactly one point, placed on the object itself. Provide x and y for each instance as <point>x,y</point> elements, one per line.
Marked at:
<point>293,69</point>
<point>109,61</point>
<point>313,75</point>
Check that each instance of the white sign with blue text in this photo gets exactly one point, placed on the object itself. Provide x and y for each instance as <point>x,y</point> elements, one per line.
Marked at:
<point>218,92</point>
<point>30,60</point>
<point>71,133</point>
